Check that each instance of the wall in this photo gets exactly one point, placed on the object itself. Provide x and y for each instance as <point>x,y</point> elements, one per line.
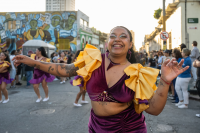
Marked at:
<point>193,12</point>
<point>95,40</point>
<point>173,25</point>
<point>56,28</point>
<point>155,44</point>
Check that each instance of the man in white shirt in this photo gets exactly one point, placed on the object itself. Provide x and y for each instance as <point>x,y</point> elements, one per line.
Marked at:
<point>194,55</point>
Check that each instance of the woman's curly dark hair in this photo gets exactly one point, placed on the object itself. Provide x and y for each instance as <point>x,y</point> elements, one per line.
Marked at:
<point>8,60</point>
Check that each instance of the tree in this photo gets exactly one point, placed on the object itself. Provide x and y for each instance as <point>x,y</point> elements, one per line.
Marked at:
<point>157,13</point>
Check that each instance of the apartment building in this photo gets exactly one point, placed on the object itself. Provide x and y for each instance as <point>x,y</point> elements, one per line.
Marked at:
<point>60,5</point>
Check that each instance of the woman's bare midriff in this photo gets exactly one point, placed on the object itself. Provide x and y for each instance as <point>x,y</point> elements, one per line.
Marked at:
<point>108,108</point>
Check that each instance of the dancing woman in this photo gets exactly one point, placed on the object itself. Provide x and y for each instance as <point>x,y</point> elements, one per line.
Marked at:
<point>41,76</point>
<point>5,68</point>
<point>82,92</point>
<point>62,59</point>
<point>119,89</point>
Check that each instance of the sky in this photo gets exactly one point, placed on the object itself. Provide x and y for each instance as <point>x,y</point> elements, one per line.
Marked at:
<point>136,15</point>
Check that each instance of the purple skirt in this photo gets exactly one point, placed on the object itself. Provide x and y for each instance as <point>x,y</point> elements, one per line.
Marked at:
<point>127,121</point>
<point>39,76</point>
<point>5,77</point>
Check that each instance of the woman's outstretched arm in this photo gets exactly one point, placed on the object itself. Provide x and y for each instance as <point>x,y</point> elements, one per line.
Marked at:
<point>57,69</point>
<point>169,71</point>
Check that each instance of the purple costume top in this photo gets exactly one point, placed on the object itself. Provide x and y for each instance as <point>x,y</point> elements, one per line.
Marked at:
<point>5,77</point>
<point>127,120</point>
<point>98,89</point>
<point>40,75</point>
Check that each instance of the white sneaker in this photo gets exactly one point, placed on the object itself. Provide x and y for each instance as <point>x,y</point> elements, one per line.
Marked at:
<point>183,106</point>
<point>55,79</point>
<point>46,99</point>
<point>5,101</point>
<point>78,105</point>
<point>198,115</point>
<point>179,103</point>
<point>61,82</point>
<point>1,101</point>
<point>38,100</point>
<point>84,101</point>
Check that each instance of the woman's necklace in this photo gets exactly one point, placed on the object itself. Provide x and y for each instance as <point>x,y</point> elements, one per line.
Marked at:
<point>117,63</point>
<point>112,63</point>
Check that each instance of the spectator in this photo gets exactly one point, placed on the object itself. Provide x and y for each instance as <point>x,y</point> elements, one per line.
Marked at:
<point>178,56</point>
<point>19,67</point>
<point>183,80</point>
<point>160,58</point>
<point>152,61</point>
<point>62,59</point>
<point>196,64</point>
<point>52,57</point>
<point>167,54</point>
<point>29,71</point>
<point>55,58</point>
<point>182,46</point>
<point>13,70</point>
<point>7,52</point>
<point>194,55</point>
<point>69,57</point>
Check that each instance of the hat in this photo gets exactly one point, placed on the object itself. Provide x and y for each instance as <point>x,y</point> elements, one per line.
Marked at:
<point>30,51</point>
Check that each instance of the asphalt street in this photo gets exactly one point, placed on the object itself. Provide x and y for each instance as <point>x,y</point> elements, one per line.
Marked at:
<point>23,115</point>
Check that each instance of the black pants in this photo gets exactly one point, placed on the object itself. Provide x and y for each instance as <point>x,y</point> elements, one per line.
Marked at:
<point>198,85</point>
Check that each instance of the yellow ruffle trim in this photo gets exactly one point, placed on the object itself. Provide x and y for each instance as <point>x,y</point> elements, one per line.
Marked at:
<point>33,57</point>
<point>5,64</point>
<point>88,61</point>
<point>77,82</point>
<point>142,82</point>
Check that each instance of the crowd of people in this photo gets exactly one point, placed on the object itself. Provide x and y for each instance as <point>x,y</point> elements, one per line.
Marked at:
<point>10,73</point>
<point>180,85</point>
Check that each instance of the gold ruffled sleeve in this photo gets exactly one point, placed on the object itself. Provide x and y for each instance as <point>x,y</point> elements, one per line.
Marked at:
<point>33,56</point>
<point>88,61</point>
<point>6,64</point>
<point>142,82</point>
<point>48,60</point>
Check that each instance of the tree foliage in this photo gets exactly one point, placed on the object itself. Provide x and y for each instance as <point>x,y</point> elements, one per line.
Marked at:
<point>157,13</point>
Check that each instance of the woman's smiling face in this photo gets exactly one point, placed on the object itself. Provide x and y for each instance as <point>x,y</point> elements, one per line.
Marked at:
<point>119,42</point>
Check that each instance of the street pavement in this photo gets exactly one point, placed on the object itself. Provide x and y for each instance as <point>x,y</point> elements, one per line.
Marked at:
<point>23,115</point>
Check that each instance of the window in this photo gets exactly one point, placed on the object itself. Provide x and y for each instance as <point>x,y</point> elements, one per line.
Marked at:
<point>81,21</point>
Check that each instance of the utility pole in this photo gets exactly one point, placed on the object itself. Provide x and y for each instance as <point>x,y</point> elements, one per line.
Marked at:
<point>186,34</point>
<point>164,25</point>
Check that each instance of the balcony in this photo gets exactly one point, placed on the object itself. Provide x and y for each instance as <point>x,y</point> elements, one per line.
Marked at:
<point>86,28</point>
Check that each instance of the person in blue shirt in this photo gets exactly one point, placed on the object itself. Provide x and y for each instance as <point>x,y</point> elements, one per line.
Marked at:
<point>176,54</point>
<point>183,80</point>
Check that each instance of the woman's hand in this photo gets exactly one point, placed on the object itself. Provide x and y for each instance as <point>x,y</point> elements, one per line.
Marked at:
<point>171,69</point>
<point>23,59</point>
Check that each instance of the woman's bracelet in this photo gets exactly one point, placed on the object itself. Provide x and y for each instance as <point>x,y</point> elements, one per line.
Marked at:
<point>165,81</point>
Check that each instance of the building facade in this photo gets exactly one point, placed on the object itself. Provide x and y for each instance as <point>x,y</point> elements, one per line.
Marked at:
<point>60,5</point>
<point>182,24</point>
<point>56,28</point>
<point>85,33</point>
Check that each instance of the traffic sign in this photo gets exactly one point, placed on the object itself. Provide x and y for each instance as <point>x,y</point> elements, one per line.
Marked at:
<point>164,35</point>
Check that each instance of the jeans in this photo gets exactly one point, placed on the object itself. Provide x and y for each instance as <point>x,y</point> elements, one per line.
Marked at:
<point>29,75</point>
<point>175,96</point>
<point>182,89</point>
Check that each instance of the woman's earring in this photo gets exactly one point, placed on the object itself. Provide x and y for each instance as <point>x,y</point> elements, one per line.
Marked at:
<point>129,52</point>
